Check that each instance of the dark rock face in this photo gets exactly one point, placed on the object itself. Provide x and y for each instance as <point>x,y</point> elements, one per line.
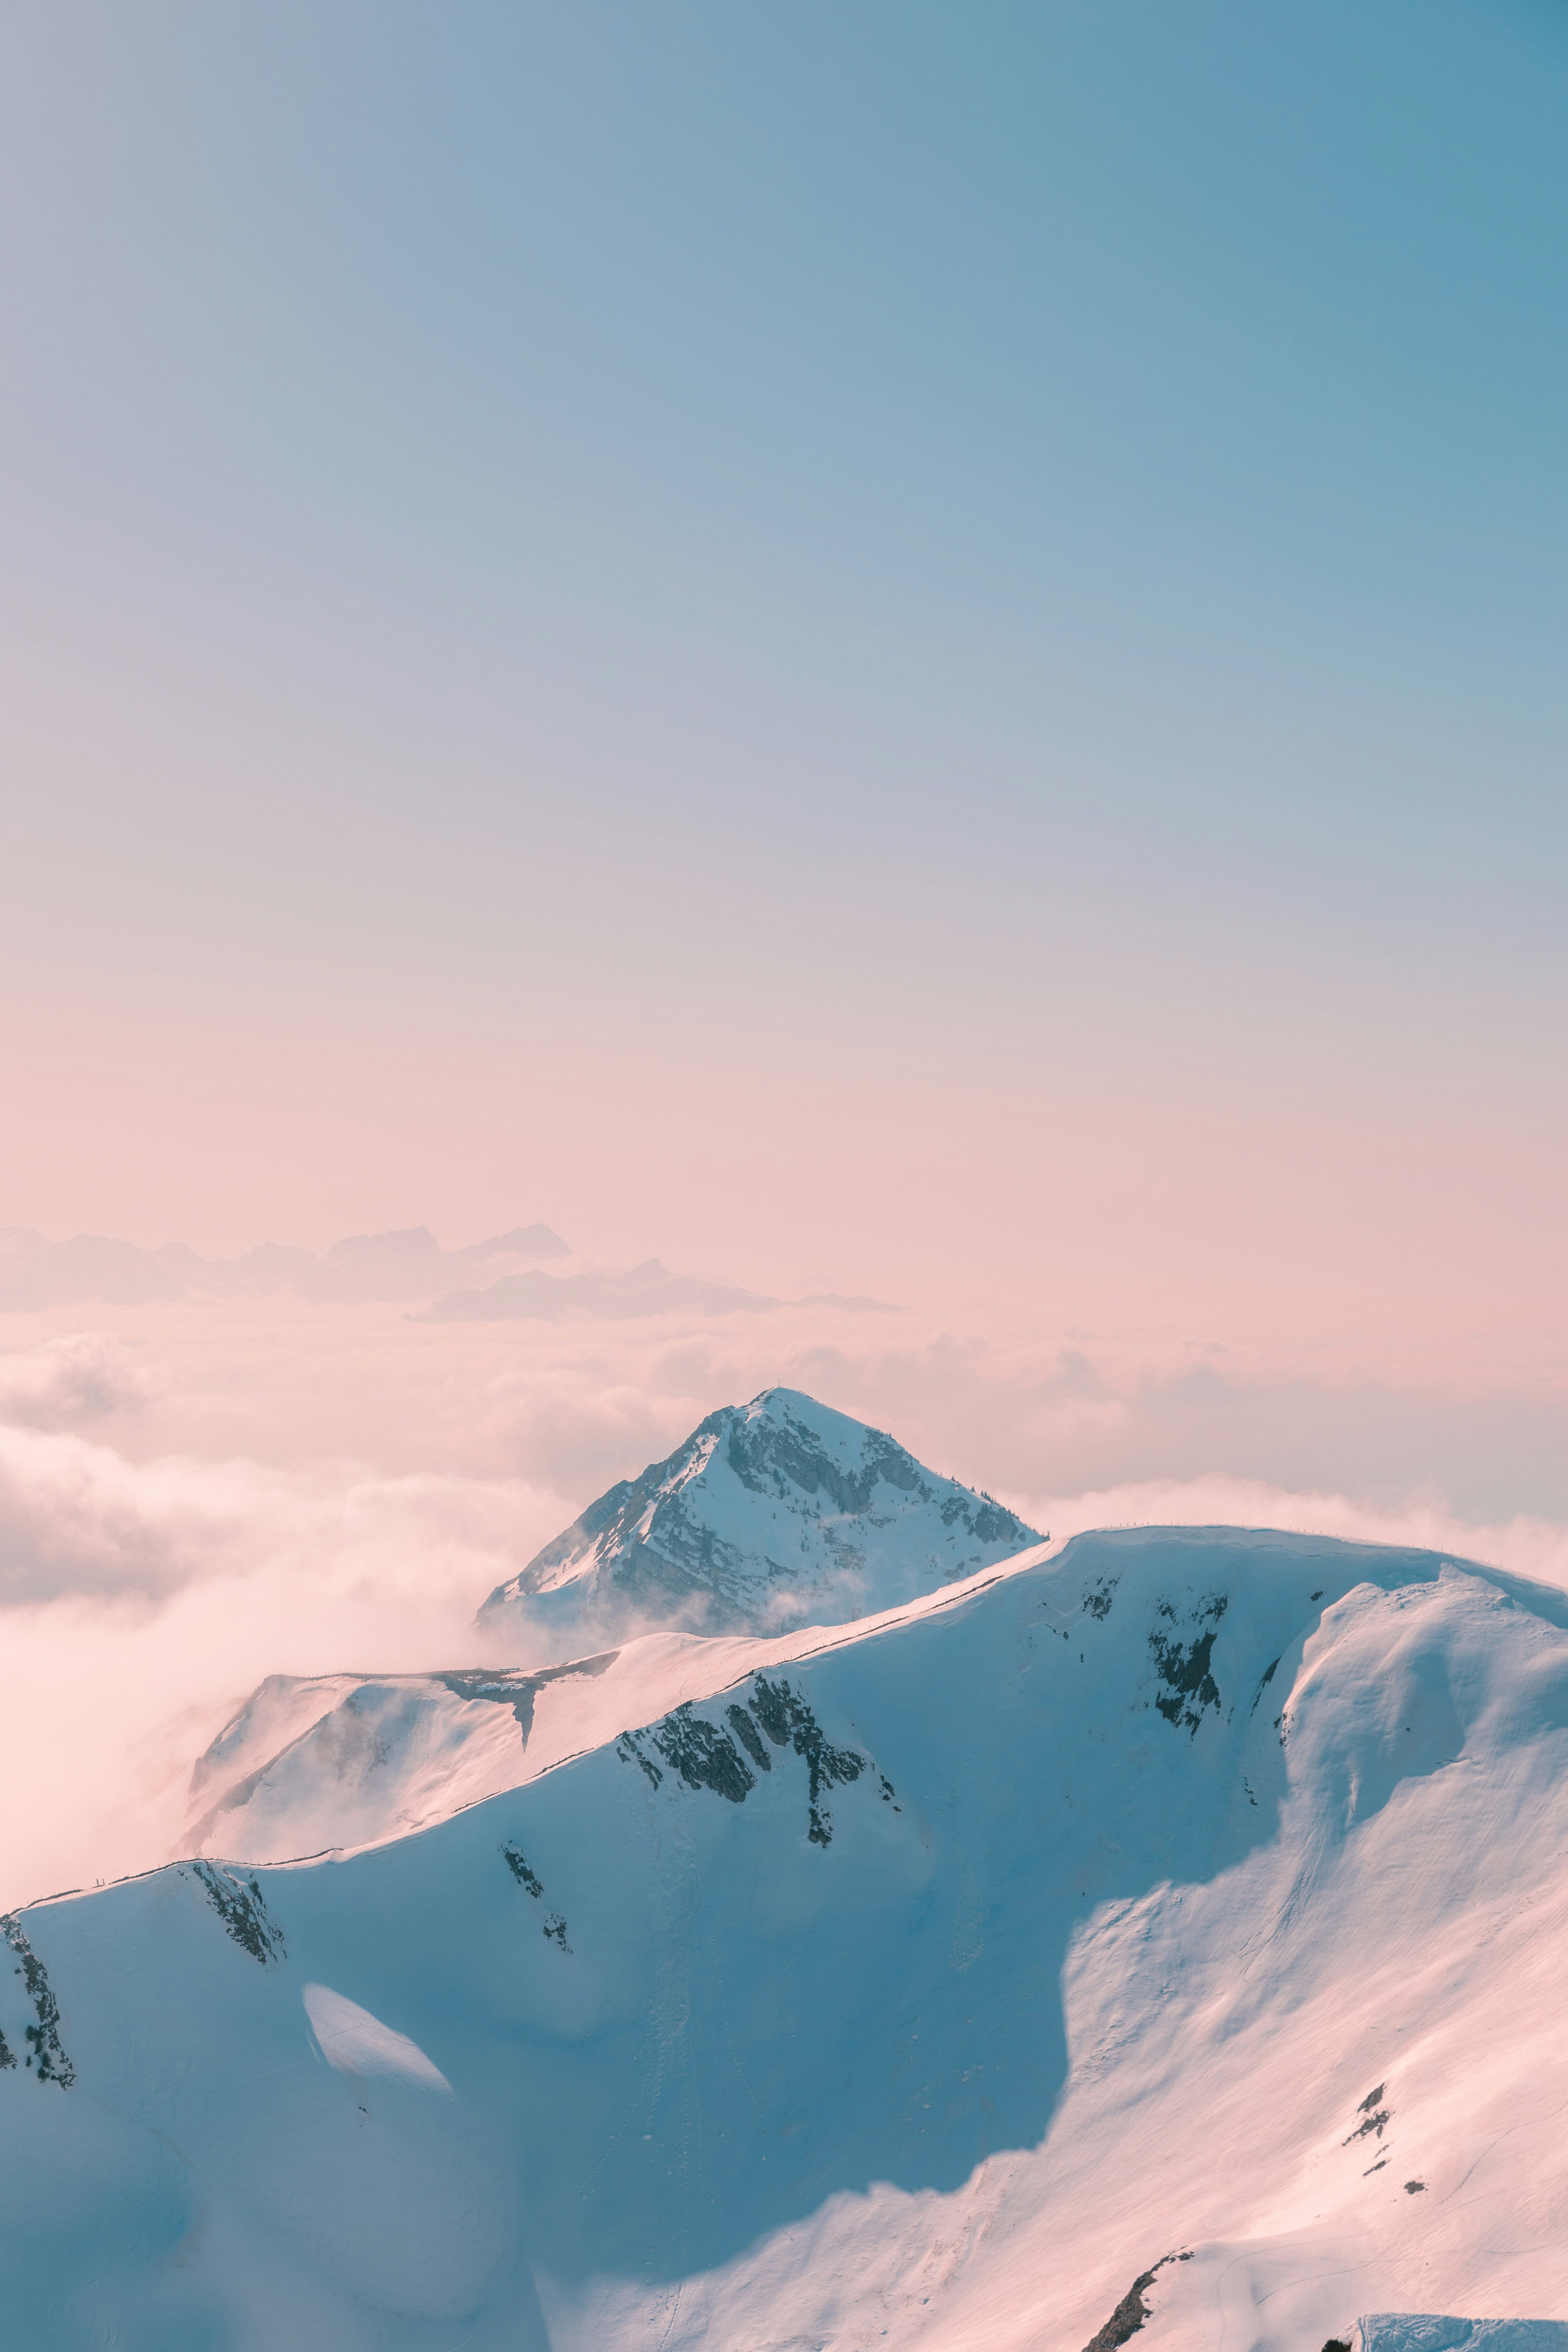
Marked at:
<point>527,1879</point>
<point>768,1456</point>
<point>554,1927</point>
<point>1131,2311</point>
<point>1374,2117</point>
<point>745,1731</point>
<point>239,1904</point>
<point>1190,1688</point>
<point>704,1756</point>
<point>519,1691</point>
<point>45,2056</point>
<point>784,1715</point>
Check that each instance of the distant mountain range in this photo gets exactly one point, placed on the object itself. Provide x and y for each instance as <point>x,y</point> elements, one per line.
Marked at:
<point>649,1288</point>
<point>494,1281</point>
<point>412,1264</point>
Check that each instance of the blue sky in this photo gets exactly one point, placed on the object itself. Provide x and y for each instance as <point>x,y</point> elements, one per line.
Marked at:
<point>1016,536</point>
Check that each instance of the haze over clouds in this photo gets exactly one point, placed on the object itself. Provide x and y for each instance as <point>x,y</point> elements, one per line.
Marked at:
<point>201,1490</point>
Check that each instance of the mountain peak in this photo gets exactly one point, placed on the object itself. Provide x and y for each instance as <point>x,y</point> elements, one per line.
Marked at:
<point>776,1514</point>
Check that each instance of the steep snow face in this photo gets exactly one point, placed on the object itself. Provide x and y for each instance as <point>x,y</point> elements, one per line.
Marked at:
<point>772,1515</point>
<point>1179,1923</point>
<point>330,1760</point>
<point>1426,2331</point>
<point>326,1762</point>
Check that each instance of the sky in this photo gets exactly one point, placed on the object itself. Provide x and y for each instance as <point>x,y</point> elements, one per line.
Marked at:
<point>896,650</point>
<point>943,625</point>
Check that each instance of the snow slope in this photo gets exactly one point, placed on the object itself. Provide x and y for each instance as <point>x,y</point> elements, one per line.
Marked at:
<point>1407,2331</point>
<point>319,1761</point>
<point>772,1515</point>
<point>1194,1895</point>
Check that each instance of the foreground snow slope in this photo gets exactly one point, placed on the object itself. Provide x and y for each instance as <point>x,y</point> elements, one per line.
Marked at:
<point>1427,2331</point>
<point>1196,1894</point>
<point>772,1515</point>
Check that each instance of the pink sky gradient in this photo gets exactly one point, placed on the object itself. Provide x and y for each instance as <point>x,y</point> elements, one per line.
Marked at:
<point>1339,1228</point>
<point>279,966</point>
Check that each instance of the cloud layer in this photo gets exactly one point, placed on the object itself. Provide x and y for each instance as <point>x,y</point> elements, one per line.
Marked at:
<point>197,1494</point>
<point>79,1377</point>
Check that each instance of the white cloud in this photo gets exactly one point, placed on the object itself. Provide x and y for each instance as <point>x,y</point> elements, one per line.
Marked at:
<point>146,1600</point>
<point>1532,1548</point>
<point>78,1520</point>
<point>62,1383</point>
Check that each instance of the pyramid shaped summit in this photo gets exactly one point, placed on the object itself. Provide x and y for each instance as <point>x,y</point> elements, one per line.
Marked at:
<point>772,1515</point>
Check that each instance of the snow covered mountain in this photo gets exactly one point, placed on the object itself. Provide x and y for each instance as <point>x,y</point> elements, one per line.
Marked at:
<point>1174,1928</point>
<point>772,1515</point>
<point>311,1762</point>
<point>334,1761</point>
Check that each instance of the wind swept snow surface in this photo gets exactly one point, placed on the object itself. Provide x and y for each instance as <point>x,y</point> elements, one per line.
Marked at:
<point>772,1515</point>
<point>1189,1910</point>
<point>353,2042</point>
<point>1425,2331</point>
<point>313,1762</point>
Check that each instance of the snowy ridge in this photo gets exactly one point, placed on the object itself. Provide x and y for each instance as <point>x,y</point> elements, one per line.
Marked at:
<point>312,1764</point>
<point>1196,1890</point>
<point>772,1515</point>
<point>312,1761</point>
<point>1413,2331</point>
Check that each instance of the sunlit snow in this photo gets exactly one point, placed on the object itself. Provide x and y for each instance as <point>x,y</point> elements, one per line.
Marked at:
<point>1186,1906</point>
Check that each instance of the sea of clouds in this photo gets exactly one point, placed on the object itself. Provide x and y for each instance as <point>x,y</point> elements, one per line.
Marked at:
<point>199,1491</point>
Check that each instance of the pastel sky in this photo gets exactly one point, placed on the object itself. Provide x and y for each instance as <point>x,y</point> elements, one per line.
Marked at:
<point>909,647</point>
